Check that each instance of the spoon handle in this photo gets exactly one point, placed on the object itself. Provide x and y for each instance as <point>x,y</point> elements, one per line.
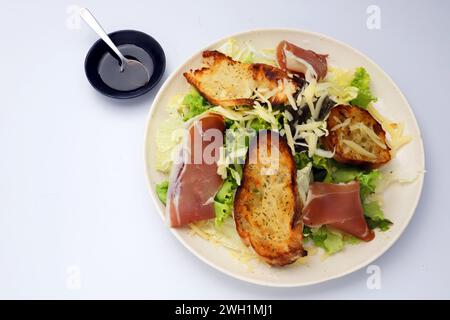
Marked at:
<point>93,23</point>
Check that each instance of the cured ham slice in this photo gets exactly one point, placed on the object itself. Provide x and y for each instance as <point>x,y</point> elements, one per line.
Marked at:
<point>194,180</point>
<point>293,58</point>
<point>338,206</point>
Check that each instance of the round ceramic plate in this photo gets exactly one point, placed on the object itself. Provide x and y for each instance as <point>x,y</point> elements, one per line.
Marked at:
<point>400,200</point>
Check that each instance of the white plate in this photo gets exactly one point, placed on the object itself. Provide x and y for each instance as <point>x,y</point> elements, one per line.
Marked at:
<point>400,200</point>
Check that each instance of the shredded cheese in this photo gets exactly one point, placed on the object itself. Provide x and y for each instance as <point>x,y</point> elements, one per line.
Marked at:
<point>311,140</point>
<point>319,105</point>
<point>265,114</point>
<point>325,153</point>
<point>369,132</point>
<point>258,94</point>
<point>308,96</point>
<point>235,115</point>
<point>288,90</point>
<point>341,125</point>
<point>358,149</point>
<point>310,131</point>
<point>310,125</point>
<point>304,177</point>
<point>289,137</point>
<point>222,164</point>
<point>288,115</point>
<point>299,100</point>
<point>395,130</point>
<point>225,236</point>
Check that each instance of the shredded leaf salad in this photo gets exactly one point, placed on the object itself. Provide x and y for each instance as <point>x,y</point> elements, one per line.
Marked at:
<point>340,86</point>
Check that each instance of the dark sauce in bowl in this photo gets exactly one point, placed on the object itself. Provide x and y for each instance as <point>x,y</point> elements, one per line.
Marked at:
<point>128,79</point>
<point>102,67</point>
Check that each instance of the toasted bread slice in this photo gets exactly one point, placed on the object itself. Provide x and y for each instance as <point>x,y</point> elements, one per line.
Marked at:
<point>266,207</point>
<point>227,82</point>
<point>356,137</point>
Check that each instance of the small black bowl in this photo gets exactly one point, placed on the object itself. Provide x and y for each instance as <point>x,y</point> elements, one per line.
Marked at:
<point>140,39</point>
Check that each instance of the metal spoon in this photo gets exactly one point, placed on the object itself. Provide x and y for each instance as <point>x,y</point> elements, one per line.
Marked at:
<point>126,65</point>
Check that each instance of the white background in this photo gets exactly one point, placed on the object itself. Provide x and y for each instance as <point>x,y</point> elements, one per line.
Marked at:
<point>73,194</point>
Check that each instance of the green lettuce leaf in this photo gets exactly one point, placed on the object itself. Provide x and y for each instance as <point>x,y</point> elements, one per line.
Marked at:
<point>236,172</point>
<point>301,160</point>
<point>225,192</point>
<point>375,216</point>
<point>249,58</point>
<point>349,239</point>
<point>334,242</point>
<point>260,124</point>
<point>223,201</point>
<point>223,211</point>
<point>344,173</point>
<point>330,241</point>
<point>383,224</point>
<point>194,104</point>
<point>161,191</point>
<point>361,80</point>
<point>322,167</point>
<point>368,182</point>
<point>373,210</point>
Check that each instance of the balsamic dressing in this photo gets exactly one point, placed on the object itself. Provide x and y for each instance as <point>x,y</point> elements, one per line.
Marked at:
<point>130,78</point>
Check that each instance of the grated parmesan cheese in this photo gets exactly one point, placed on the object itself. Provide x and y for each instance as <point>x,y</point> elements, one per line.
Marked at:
<point>341,124</point>
<point>369,132</point>
<point>358,149</point>
<point>395,130</point>
<point>289,137</point>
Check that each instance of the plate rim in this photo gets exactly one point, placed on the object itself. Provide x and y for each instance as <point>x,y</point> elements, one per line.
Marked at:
<point>232,274</point>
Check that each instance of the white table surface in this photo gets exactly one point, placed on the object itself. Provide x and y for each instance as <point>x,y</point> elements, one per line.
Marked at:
<point>76,219</point>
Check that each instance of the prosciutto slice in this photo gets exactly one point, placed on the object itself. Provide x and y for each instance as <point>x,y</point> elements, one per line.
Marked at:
<point>194,180</point>
<point>288,52</point>
<point>338,206</point>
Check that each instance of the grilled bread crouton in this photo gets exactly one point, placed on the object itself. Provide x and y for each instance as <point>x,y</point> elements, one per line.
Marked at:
<point>266,207</point>
<point>226,82</point>
<point>356,137</point>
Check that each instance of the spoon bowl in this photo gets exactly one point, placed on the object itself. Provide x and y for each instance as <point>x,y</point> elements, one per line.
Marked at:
<point>135,76</point>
